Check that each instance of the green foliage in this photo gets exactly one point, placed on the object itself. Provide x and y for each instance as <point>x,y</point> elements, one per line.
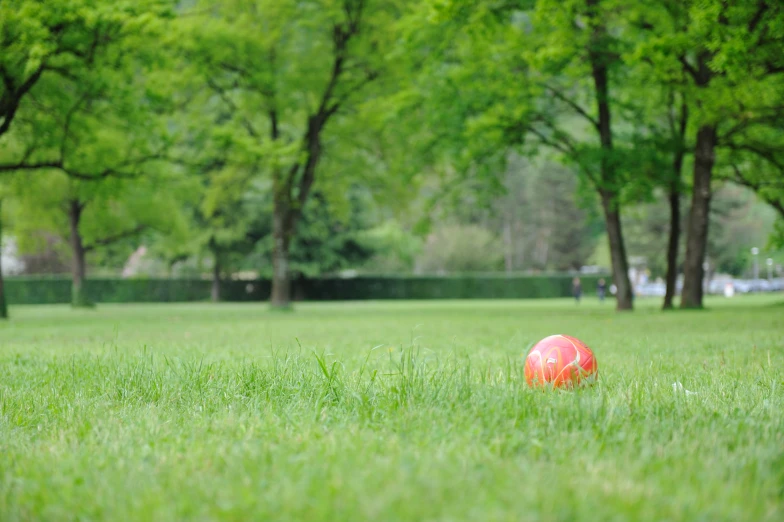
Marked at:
<point>48,290</point>
<point>55,41</point>
<point>84,134</point>
<point>395,249</point>
<point>739,222</point>
<point>777,236</point>
<point>466,248</point>
<point>264,85</point>
<point>113,208</point>
<point>328,240</point>
<point>542,220</point>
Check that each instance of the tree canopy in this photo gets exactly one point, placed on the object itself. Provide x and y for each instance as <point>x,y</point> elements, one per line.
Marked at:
<point>290,138</point>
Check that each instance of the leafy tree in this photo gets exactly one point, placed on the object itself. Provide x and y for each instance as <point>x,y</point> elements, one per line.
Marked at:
<point>93,123</point>
<point>731,56</point>
<point>555,79</point>
<point>223,220</point>
<point>89,216</point>
<point>38,39</point>
<point>330,237</point>
<point>580,56</point>
<point>678,119</point>
<point>662,149</point>
<point>286,71</point>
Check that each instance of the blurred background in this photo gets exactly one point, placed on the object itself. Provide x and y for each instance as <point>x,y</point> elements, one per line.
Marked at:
<point>290,150</point>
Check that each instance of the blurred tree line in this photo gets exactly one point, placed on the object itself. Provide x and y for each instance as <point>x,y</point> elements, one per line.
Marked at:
<point>301,137</point>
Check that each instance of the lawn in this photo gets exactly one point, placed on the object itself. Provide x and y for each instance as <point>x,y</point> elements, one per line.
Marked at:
<point>390,411</point>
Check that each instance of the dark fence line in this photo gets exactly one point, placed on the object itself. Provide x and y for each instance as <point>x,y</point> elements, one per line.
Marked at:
<point>29,290</point>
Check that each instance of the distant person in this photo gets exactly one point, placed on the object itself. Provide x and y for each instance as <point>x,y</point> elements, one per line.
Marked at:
<point>601,289</point>
<point>577,289</point>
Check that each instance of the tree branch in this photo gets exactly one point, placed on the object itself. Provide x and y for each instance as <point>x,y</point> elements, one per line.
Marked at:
<point>23,165</point>
<point>762,7</point>
<point>761,152</point>
<point>560,142</point>
<point>689,68</point>
<point>571,103</point>
<point>115,238</point>
<point>369,77</point>
<point>67,124</point>
<point>342,34</point>
<point>233,106</point>
<point>116,171</point>
<point>743,124</point>
<point>14,96</point>
<point>758,187</point>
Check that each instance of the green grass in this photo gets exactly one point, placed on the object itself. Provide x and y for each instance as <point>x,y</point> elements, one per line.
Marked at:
<point>389,411</point>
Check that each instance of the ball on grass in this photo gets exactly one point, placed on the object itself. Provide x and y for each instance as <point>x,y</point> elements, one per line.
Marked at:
<point>560,361</point>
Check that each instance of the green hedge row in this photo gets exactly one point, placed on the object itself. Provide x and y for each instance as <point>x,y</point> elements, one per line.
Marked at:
<point>452,287</point>
<point>102,290</point>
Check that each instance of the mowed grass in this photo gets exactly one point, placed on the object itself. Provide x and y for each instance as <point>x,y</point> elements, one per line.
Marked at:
<point>390,411</point>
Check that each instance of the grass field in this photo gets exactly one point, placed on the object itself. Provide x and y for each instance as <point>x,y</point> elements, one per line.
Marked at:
<point>390,411</point>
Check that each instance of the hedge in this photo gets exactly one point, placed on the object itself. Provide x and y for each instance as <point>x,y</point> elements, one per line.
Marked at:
<point>107,290</point>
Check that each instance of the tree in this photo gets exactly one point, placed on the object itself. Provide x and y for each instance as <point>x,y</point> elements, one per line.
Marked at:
<point>662,148</point>
<point>89,130</point>
<point>554,81</point>
<point>37,38</point>
<point>329,238</point>
<point>752,155</point>
<point>739,60</point>
<point>286,71</point>
<point>88,216</point>
<point>225,221</point>
<point>730,54</point>
<point>576,60</point>
<point>678,118</point>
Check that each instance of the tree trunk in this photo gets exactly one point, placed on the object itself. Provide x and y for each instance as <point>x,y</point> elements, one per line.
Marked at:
<point>612,215</point>
<point>697,232</point>
<point>3,306</point>
<point>78,268</point>
<point>281,236</point>
<point>672,245</point>
<point>679,134</point>
<point>216,278</point>
<point>620,264</point>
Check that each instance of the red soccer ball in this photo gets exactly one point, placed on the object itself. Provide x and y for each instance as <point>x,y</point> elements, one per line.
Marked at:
<point>560,361</point>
